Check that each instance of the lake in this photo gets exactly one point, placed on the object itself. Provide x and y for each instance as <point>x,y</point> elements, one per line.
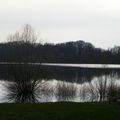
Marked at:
<point>47,82</point>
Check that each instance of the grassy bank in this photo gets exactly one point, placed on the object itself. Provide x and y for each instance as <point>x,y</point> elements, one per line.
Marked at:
<point>60,111</point>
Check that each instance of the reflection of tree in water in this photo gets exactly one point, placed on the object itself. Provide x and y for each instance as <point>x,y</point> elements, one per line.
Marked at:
<point>23,91</point>
<point>59,73</point>
<point>104,88</point>
<point>95,90</point>
<point>23,86</point>
<point>65,91</point>
<point>29,84</point>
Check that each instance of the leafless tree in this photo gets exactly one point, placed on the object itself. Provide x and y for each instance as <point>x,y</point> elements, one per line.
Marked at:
<point>26,35</point>
<point>23,43</point>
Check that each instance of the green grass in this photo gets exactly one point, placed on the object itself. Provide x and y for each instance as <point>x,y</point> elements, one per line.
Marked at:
<point>60,111</point>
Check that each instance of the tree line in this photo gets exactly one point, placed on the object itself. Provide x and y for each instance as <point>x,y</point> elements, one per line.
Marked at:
<point>24,47</point>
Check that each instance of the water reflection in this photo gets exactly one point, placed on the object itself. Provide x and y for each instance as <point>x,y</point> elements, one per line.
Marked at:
<point>65,91</point>
<point>104,88</point>
<point>23,85</point>
<point>31,84</point>
<point>22,91</point>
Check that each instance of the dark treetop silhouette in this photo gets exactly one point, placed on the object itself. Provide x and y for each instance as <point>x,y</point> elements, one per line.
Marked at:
<point>23,46</point>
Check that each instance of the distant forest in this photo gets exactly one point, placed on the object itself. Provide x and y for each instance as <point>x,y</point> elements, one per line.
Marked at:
<point>21,47</point>
<point>69,52</point>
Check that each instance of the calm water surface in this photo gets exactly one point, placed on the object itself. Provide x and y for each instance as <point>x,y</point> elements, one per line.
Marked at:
<point>48,83</point>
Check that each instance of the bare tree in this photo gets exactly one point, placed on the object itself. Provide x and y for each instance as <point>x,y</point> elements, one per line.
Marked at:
<point>23,43</point>
<point>27,35</point>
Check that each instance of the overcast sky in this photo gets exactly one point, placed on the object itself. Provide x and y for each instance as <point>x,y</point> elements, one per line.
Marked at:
<point>95,21</point>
